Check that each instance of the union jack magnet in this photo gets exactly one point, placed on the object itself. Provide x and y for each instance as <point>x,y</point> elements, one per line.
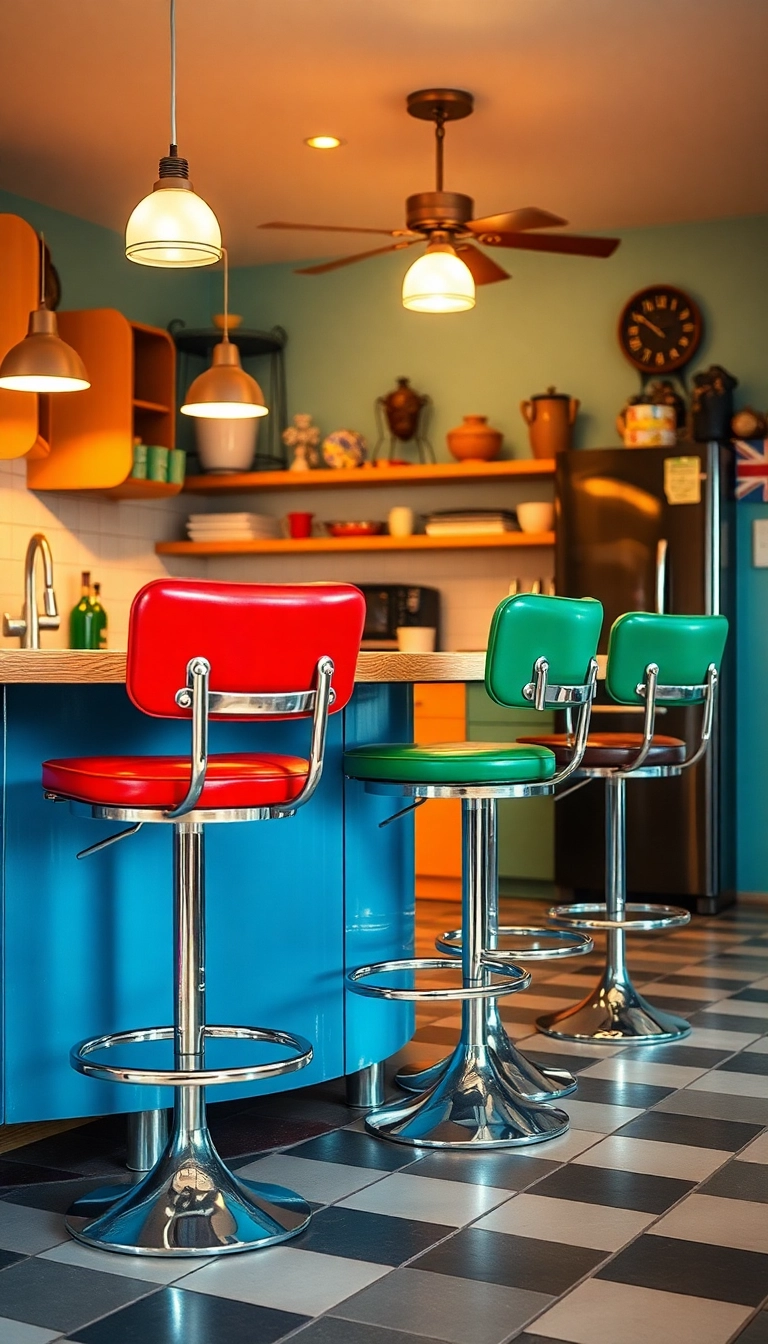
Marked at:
<point>751,467</point>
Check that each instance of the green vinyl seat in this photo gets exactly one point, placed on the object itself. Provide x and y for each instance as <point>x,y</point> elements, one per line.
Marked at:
<point>450,763</point>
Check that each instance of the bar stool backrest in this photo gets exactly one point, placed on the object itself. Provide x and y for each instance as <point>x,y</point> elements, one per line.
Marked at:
<point>682,647</point>
<point>258,638</point>
<point>531,627</point>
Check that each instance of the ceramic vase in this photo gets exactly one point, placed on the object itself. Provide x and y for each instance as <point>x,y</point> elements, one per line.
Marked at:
<point>226,445</point>
<point>474,439</point>
<point>550,417</point>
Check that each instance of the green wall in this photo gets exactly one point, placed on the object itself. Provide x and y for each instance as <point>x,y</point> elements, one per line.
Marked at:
<point>554,322</point>
<point>95,273</point>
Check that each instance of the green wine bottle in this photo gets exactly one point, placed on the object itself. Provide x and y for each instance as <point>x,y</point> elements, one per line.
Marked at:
<point>100,616</point>
<point>82,622</point>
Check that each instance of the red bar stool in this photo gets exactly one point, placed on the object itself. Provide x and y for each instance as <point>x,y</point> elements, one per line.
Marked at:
<point>200,652</point>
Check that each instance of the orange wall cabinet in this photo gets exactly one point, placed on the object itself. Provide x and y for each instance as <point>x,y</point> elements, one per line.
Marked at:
<point>19,282</point>
<point>439,716</point>
<point>132,369</point>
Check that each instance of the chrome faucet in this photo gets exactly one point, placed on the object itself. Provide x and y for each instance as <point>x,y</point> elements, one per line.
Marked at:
<point>27,628</point>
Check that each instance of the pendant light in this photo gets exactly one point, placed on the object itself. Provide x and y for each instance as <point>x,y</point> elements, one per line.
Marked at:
<point>438,281</point>
<point>43,362</point>
<point>173,226</point>
<point>225,391</point>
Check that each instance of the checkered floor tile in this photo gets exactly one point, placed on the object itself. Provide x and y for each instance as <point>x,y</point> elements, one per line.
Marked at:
<point>645,1224</point>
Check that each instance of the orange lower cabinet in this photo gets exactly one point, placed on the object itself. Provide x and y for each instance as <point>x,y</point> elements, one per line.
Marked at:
<point>439,716</point>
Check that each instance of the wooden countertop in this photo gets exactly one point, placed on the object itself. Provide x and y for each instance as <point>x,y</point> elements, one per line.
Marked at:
<point>78,666</point>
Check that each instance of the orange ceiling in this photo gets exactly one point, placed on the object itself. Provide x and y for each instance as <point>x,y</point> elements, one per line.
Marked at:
<point>613,113</point>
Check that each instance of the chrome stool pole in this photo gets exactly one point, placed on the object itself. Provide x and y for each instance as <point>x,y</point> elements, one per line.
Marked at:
<point>190,1203</point>
<point>146,1138</point>
<point>614,1010</point>
<point>536,1082</point>
<point>474,1104</point>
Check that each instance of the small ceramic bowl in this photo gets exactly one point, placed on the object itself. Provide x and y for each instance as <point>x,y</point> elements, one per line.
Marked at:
<point>536,517</point>
<point>364,529</point>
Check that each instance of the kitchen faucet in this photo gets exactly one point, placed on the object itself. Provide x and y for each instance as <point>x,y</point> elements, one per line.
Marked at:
<point>31,622</point>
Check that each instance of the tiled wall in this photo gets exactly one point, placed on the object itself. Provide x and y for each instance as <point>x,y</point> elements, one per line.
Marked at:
<point>114,540</point>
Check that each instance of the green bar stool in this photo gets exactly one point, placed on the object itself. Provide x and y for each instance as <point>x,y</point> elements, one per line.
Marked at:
<point>652,661</point>
<point>541,652</point>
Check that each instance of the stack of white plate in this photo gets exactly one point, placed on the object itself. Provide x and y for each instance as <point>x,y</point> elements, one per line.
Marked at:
<point>232,526</point>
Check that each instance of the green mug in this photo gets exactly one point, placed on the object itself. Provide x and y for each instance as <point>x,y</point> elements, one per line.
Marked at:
<point>157,463</point>
<point>177,461</point>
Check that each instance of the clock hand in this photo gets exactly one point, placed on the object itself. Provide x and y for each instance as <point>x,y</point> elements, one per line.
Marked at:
<point>638,317</point>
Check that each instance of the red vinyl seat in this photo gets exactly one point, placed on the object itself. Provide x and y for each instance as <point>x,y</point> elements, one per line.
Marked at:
<point>242,780</point>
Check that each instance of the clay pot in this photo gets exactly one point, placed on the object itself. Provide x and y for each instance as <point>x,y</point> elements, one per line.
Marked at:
<point>474,439</point>
<point>550,416</point>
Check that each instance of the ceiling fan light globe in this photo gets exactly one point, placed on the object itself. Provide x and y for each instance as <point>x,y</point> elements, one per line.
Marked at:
<point>438,282</point>
<point>173,227</point>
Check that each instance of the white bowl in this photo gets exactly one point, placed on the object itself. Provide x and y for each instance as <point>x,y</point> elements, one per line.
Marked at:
<point>536,517</point>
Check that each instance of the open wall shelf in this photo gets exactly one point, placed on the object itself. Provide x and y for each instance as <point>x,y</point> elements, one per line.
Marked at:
<point>290,546</point>
<point>362,477</point>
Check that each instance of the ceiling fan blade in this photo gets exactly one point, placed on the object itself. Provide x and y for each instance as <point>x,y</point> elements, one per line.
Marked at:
<point>514,221</point>
<point>331,228</point>
<point>357,256</point>
<point>483,269</point>
<point>575,244</point>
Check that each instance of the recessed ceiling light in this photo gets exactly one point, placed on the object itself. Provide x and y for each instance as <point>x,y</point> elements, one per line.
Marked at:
<point>323,142</point>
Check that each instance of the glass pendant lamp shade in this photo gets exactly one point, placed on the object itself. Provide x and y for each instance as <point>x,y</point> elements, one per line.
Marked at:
<point>225,391</point>
<point>43,362</point>
<point>173,226</point>
<point>438,282</point>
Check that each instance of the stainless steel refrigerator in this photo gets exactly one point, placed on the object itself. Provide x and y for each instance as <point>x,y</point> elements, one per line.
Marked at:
<point>631,533</point>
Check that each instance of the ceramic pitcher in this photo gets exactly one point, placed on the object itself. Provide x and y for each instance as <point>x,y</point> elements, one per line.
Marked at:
<point>550,416</point>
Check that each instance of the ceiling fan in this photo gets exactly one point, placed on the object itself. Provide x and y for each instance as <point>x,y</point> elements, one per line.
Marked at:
<point>443,219</point>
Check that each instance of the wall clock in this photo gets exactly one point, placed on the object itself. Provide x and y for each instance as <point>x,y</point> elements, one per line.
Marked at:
<point>660,329</point>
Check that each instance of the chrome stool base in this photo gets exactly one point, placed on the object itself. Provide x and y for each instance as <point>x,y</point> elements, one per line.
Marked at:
<point>472,1105</point>
<point>189,1204</point>
<point>532,1081</point>
<point>614,1011</point>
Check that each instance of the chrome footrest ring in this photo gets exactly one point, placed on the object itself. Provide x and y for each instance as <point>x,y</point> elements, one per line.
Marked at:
<point>511,979</point>
<point>638,917</point>
<point>114,1073</point>
<point>572,944</point>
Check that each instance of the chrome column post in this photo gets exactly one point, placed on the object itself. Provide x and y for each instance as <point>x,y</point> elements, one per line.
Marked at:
<point>190,1203</point>
<point>472,1103</point>
<point>614,1010</point>
<point>147,1135</point>
<point>480,1018</point>
<point>616,872</point>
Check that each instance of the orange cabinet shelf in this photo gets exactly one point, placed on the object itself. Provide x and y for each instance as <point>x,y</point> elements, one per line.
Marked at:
<point>90,434</point>
<point>429,474</point>
<point>19,293</point>
<point>290,546</point>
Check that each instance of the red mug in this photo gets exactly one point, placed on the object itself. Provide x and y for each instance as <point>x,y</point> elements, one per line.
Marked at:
<point>300,524</point>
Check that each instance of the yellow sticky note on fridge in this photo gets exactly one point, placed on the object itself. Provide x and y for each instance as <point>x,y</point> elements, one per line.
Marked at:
<point>682,480</point>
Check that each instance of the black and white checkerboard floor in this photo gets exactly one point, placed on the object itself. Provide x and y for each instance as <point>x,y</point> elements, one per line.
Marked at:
<point>646,1224</point>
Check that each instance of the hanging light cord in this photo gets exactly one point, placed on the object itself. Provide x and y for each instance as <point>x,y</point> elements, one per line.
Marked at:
<point>225,254</point>
<point>42,270</point>
<point>174,141</point>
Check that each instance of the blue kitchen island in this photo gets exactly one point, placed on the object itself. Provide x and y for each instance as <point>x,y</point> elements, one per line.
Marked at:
<point>291,904</point>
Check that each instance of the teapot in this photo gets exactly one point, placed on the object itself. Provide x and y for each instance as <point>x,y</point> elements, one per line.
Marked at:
<point>550,416</point>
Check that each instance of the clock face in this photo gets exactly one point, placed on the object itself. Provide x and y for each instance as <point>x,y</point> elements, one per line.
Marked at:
<point>660,329</point>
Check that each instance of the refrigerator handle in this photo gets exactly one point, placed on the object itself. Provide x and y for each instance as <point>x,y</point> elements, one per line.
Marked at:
<point>662,546</point>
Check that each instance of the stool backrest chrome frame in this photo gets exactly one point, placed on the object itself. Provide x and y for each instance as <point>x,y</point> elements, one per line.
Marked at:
<point>542,655</point>
<point>656,659</point>
<point>271,650</point>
